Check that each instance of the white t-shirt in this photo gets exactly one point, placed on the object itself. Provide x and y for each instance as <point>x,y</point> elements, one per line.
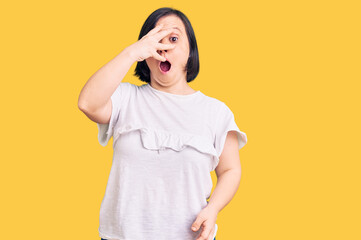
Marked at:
<point>165,146</point>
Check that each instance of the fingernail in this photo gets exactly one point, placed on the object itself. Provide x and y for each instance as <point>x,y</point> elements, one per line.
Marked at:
<point>194,228</point>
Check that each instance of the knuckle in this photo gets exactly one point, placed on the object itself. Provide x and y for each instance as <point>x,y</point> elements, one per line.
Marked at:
<point>204,237</point>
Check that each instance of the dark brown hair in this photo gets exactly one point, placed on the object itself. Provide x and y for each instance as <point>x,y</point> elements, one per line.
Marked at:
<point>142,70</point>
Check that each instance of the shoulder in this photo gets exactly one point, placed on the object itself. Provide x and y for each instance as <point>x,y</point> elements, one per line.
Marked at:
<point>219,107</point>
<point>127,89</point>
<point>127,85</point>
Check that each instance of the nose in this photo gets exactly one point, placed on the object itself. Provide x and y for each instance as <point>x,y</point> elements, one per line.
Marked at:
<point>161,52</point>
<point>163,41</point>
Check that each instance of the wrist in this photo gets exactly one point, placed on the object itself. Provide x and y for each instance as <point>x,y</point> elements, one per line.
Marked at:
<point>213,207</point>
<point>130,53</point>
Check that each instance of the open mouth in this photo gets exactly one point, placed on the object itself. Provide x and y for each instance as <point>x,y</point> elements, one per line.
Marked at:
<point>165,66</point>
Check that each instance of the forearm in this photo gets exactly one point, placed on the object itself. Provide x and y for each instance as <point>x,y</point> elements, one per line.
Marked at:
<point>226,188</point>
<point>102,84</point>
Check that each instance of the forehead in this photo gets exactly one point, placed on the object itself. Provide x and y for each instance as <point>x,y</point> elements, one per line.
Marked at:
<point>172,21</point>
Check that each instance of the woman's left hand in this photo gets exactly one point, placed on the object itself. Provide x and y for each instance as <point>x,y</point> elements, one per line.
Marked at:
<point>207,219</point>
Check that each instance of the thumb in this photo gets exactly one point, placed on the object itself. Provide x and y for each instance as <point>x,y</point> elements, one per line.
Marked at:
<point>196,224</point>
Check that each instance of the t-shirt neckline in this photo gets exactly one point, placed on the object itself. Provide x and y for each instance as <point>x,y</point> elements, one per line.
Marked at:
<point>172,94</point>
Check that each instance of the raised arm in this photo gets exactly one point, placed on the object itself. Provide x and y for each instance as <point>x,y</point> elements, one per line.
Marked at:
<point>95,97</point>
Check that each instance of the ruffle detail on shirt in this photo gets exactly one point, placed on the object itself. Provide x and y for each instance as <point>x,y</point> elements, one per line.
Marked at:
<point>156,139</point>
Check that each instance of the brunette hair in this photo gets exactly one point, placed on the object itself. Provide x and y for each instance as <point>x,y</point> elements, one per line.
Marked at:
<point>142,70</point>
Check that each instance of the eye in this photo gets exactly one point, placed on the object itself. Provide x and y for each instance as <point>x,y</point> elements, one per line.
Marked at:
<point>173,38</point>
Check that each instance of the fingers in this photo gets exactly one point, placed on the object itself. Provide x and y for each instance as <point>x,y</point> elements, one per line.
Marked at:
<point>159,57</point>
<point>210,237</point>
<point>161,46</point>
<point>160,35</point>
<point>154,30</point>
<point>206,231</point>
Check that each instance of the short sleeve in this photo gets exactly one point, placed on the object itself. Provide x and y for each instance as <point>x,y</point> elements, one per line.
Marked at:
<point>226,123</point>
<point>118,98</point>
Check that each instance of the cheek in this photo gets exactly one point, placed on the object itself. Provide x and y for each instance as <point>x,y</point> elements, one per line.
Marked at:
<point>182,52</point>
<point>184,48</point>
<point>151,62</point>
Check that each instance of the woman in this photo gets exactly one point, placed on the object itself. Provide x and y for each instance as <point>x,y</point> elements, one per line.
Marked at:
<point>167,138</point>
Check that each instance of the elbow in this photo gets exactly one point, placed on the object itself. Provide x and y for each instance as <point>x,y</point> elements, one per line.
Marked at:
<point>81,105</point>
<point>83,101</point>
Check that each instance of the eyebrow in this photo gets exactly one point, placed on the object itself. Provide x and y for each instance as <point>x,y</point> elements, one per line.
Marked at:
<point>177,29</point>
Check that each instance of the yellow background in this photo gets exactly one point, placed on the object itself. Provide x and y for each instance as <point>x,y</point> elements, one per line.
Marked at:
<point>289,71</point>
